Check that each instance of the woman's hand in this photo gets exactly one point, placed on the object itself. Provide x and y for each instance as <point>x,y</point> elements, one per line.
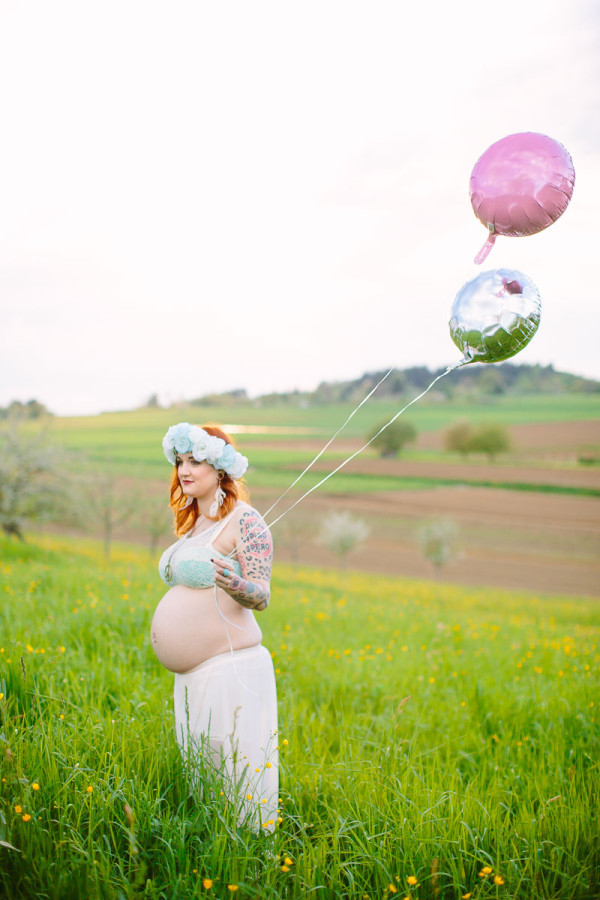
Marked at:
<point>248,594</point>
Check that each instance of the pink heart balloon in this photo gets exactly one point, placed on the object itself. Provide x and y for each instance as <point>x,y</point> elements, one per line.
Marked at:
<point>520,185</point>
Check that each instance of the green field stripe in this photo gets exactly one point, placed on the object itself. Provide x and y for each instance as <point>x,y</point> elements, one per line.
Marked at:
<point>522,486</point>
<point>365,483</point>
<point>147,427</point>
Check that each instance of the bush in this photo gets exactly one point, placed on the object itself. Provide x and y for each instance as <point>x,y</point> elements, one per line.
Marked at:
<point>393,438</point>
<point>490,439</point>
<point>459,436</point>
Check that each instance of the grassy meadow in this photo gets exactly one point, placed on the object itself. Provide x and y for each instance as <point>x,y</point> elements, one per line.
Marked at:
<point>435,742</point>
<point>129,442</point>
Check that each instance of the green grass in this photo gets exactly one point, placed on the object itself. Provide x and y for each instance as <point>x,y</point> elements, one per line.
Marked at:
<point>426,730</point>
<point>139,430</point>
<point>361,483</point>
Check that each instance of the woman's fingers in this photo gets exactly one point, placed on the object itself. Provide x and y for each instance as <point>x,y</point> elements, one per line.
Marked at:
<point>223,571</point>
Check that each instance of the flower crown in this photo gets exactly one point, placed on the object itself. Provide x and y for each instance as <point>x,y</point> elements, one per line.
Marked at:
<point>186,438</point>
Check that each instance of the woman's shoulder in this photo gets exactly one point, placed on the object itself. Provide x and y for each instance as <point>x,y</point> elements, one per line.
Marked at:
<point>252,532</point>
<point>244,514</point>
<point>248,523</point>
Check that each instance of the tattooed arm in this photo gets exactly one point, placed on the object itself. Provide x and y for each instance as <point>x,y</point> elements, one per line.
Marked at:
<point>255,554</point>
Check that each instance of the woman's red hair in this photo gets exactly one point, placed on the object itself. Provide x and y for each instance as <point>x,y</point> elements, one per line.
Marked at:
<point>187,516</point>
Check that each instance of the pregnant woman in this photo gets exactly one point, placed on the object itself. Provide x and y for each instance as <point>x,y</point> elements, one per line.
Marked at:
<point>204,630</point>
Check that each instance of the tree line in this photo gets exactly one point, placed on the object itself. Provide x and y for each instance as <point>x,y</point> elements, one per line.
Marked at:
<point>501,378</point>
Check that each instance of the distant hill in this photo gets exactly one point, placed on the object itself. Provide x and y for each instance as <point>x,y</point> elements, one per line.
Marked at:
<point>503,378</point>
<point>474,381</point>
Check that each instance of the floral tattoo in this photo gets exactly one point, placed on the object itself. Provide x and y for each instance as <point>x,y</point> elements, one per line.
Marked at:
<point>255,554</point>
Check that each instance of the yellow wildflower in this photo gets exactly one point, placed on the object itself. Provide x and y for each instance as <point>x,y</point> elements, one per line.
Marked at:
<point>487,870</point>
<point>288,861</point>
<point>18,809</point>
<point>35,786</point>
<point>392,889</point>
<point>498,879</point>
<point>411,879</point>
<point>89,789</point>
<point>26,817</point>
<point>466,896</point>
<point>285,868</point>
<point>232,887</point>
<point>207,884</point>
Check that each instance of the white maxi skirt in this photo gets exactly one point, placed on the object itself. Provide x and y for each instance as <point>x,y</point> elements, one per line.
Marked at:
<point>226,712</point>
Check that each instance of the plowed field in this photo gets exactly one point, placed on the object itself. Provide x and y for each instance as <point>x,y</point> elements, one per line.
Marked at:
<point>507,538</point>
<point>510,539</point>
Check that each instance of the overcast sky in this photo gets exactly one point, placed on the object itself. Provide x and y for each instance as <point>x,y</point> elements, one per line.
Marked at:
<point>199,196</point>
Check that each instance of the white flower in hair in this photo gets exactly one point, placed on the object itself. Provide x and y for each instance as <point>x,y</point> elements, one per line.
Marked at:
<point>197,438</point>
<point>214,448</point>
<point>238,469</point>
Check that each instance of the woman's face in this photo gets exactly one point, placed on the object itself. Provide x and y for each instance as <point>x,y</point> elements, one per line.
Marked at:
<point>197,479</point>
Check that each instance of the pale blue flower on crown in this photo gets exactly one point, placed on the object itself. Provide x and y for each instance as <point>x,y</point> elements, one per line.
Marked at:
<point>226,459</point>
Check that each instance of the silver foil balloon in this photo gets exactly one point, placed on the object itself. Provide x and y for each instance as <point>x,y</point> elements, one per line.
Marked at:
<point>495,315</point>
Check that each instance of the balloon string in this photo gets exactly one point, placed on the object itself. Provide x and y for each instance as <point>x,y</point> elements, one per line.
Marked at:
<point>483,253</point>
<point>312,462</point>
<point>462,362</point>
<point>329,475</point>
<point>328,444</point>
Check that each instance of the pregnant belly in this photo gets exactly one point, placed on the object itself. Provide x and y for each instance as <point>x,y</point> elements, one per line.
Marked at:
<point>187,629</point>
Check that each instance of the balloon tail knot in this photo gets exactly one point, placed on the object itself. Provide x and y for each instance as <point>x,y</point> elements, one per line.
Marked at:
<point>483,253</point>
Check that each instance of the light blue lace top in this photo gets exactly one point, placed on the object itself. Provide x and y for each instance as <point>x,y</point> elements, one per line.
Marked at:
<point>187,561</point>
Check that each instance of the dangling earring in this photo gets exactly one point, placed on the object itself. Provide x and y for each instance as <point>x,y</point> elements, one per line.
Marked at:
<point>219,499</point>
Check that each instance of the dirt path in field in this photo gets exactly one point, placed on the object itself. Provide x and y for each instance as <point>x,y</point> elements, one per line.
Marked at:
<point>555,446</point>
<point>555,438</point>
